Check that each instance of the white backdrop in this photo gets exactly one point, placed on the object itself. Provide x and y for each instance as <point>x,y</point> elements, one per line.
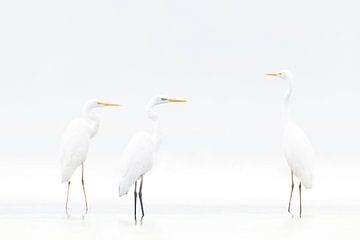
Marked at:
<point>224,146</point>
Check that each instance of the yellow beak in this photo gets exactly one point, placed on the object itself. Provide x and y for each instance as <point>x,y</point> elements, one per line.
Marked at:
<point>175,100</point>
<point>109,104</point>
<point>272,74</point>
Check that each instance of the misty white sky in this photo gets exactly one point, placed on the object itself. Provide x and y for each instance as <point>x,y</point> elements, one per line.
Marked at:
<point>54,55</point>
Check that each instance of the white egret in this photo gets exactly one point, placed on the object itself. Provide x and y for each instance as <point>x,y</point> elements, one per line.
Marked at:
<point>297,147</point>
<point>75,144</point>
<point>141,153</point>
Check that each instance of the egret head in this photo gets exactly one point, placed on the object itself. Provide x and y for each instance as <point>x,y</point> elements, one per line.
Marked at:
<point>284,74</point>
<point>160,99</point>
<point>95,103</point>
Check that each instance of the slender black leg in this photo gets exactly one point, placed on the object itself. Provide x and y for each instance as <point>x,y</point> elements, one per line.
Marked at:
<point>67,199</point>
<point>291,193</point>
<point>140,197</point>
<point>300,199</point>
<point>135,197</point>
<point>83,185</point>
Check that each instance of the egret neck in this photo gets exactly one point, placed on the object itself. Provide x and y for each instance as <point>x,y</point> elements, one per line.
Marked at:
<point>92,119</point>
<point>287,115</point>
<point>156,134</point>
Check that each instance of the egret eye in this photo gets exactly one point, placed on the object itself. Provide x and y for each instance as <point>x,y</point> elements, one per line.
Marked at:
<point>163,99</point>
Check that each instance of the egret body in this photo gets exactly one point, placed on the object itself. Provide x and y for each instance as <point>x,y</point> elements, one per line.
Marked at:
<point>141,153</point>
<point>298,150</point>
<point>75,144</point>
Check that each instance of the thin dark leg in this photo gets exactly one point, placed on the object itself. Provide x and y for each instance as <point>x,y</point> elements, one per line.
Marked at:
<point>140,197</point>
<point>135,197</point>
<point>300,199</point>
<point>67,199</point>
<point>291,193</point>
<point>83,185</point>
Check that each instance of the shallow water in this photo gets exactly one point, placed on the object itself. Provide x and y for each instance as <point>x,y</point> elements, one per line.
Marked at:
<point>246,200</point>
<point>180,222</point>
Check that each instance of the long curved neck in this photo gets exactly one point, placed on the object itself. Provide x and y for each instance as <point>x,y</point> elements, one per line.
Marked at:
<point>93,120</point>
<point>156,133</point>
<point>287,115</point>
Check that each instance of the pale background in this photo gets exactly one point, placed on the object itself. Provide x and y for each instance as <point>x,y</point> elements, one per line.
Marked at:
<point>222,150</point>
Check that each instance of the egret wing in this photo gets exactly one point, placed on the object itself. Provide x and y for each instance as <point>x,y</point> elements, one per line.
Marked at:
<point>138,155</point>
<point>137,159</point>
<point>74,147</point>
<point>299,153</point>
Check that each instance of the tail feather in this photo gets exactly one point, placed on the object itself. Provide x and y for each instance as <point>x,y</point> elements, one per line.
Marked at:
<point>124,186</point>
<point>66,174</point>
<point>307,181</point>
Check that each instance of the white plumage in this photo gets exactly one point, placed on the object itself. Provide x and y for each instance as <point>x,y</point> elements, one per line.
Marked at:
<point>299,154</point>
<point>140,153</point>
<point>138,158</point>
<point>74,148</point>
